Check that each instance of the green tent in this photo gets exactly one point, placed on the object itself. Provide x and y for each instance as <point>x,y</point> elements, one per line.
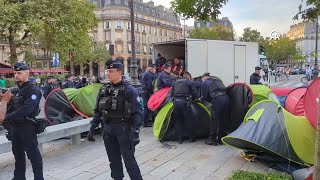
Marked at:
<point>269,128</point>
<point>262,92</point>
<point>84,99</point>
<point>163,127</point>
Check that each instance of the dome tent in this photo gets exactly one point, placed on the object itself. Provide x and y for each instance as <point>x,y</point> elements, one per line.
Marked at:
<point>262,92</point>
<point>311,104</point>
<point>269,128</point>
<point>294,102</point>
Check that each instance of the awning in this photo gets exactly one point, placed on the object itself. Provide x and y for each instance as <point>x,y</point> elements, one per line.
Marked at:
<point>6,70</point>
<point>10,71</point>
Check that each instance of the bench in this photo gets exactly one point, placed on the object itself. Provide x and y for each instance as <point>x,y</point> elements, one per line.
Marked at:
<point>72,129</point>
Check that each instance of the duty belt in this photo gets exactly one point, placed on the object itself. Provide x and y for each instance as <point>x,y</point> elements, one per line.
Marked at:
<point>116,121</point>
<point>216,94</point>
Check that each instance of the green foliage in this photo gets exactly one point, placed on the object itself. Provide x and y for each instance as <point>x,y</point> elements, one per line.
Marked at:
<point>203,10</point>
<point>100,52</point>
<point>310,13</point>
<point>251,35</point>
<point>61,26</point>
<point>218,32</point>
<point>10,82</point>
<point>28,56</point>
<point>244,175</point>
<point>282,49</point>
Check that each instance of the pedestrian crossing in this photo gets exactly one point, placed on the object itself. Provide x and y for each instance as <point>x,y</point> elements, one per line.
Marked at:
<point>286,83</point>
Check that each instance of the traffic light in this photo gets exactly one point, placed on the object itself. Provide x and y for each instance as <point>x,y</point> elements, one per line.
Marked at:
<point>262,51</point>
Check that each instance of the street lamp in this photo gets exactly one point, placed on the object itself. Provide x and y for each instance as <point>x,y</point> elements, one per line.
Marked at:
<point>317,27</point>
<point>133,63</point>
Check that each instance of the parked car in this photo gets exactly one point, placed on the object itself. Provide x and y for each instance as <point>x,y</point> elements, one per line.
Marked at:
<point>294,71</point>
<point>302,71</point>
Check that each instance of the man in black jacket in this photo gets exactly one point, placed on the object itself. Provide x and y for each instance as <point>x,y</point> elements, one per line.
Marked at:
<point>255,78</point>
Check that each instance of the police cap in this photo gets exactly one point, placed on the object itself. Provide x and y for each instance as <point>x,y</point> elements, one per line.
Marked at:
<point>206,74</point>
<point>257,68</point>
<point>167,66</point>
<point>21,67</point>
<point>151,65</point>
<point>187,73</point>
<point>115,66</point>
<point>176,73</point>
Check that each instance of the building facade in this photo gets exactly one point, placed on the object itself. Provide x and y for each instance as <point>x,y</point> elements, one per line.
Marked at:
<point>186,31</point>
<point>152,24</point>
<point>305,35</point>
<point>223,21</point>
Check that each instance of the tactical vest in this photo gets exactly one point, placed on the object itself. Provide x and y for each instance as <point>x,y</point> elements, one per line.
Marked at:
<point>113,105</point>
<point>217,84</point>
<point>181,88</point>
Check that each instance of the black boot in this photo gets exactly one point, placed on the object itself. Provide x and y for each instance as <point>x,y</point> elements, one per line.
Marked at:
<point>180,140</point>
<point>90,135</point>
<point>212,140</point>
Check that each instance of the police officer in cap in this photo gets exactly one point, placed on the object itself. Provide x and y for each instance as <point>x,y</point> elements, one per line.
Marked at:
<point>213,90</point>
<point>49,86</point>
<point>68,83</point>
<point>255,78</point>
<point>183,93</point>
<point>164,79</point>
<point>23,107</point>
<point>147,87</point>
<point>118,104</point>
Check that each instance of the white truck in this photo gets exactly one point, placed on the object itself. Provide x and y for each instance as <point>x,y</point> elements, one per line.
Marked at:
<point>229,60</point>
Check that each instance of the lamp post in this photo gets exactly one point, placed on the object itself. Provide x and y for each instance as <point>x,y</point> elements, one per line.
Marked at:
<point>316,56</point>
<point>133,63</point>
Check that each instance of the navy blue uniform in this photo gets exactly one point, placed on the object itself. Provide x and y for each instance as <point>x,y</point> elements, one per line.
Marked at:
<point>24,136</point>
<point>67,84</point>
<point>48,87</point>
<point>147,87</point>
<point>183,92</point>
<point>119,132</point>
<point>214,91</point>
<point>164,80</point>
<point>255,79</point>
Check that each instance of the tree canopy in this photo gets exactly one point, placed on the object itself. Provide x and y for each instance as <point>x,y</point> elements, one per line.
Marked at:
<point>282,49</point>
<point>310,13</point>
<point>251,35</point>
<point>203,10</point>
<point>217,32</point>
<point>61,26</point>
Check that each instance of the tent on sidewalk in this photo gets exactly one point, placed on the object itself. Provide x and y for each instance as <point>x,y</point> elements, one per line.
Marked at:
<point>282,94</point>
<point>269,128</point>
<point>262,92</point>
<point>311,99</point>
<point>241,96</point>
<point>164,124</point>
<point>294,101</point>
<point>159,99</point>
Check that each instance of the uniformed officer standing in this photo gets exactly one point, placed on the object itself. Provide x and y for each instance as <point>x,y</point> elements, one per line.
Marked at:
<point>255,78</point>
<point>213,90</point>
<point>118,103</point>
<point>24,136</point>
<point>183,92</point>
<point>147,87</point>
<point>49,86</point>
<point>164,79</point>
<point>68,83</point>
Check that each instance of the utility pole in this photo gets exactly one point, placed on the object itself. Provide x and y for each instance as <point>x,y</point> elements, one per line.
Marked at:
<point>133,63</point>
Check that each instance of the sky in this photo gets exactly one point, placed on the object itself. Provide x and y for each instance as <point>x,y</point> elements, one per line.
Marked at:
<point>263,15</point>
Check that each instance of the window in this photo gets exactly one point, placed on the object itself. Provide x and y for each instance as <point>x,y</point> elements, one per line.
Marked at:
<point>138,27</point>
<point>119,35</point>
<point>144,28</point>
<point>149,29</point>
<point>107,46</point>
<point>119,48</point>
<point>129,36</point>
<point>107,25</point>
<point>129,25</point>
<point>126,2</point>
<point>107,36</point>
<point>144,49</point>
<point>198,25</point>
<point>208,24</point>
<point>129,47</point>
<point>118,1</point>
<point>119,24</point>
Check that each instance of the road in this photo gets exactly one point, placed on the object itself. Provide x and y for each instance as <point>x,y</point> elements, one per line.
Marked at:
<point>293,82</point>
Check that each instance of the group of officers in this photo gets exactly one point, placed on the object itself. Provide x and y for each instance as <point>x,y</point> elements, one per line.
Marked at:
<point>119,109</point>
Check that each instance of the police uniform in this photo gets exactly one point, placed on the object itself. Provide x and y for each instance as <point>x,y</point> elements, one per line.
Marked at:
<point>147,87</point>
<point>213,90</point>
<point>164,79</point>
<point>67,83</point>
<point>48,87</point>
<point>118,105</point>
<point>23,107</point>
<point>183,92</point>
<point>255,78</point>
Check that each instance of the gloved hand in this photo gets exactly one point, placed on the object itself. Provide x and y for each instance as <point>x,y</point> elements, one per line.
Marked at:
<point>135,137</point>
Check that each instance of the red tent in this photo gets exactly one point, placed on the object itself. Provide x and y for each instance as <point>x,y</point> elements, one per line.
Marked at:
<point>294,101</point>
<point>311,99</point>
<point>158,98</point>
<point>281,91</point>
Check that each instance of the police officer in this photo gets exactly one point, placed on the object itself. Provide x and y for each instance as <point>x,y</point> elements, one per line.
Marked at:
<point>213,90</point>
<point>255,78</point>
<point>183,92</point>
<point>164,79</point>
<point>49,86</point>
<point>24,106</point>
<point>68,83</point>
<point>82,83</point>
<point>118,104</point>
<point>147,87</point>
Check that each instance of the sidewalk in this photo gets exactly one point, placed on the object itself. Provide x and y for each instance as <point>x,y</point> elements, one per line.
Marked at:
<point>170,161</point>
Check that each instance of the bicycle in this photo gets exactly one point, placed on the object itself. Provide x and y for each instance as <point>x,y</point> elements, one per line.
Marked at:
<point>305,79</point>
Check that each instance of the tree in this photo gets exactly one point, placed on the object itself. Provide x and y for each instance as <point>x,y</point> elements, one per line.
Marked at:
<point>61,26</point>
<point>203,10</point>
<point>282,49</point>
<point>100,52</point>
<point>251,35</point>
<point>217,32</point>
<point>310,13</point>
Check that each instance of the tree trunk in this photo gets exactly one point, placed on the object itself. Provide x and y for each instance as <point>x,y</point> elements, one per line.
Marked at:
<point>102,70</point>
<point>71,67</point>
<point>316,174</point>
<point>81,69</point>
<point>13,47</point>
<point>90,69</point>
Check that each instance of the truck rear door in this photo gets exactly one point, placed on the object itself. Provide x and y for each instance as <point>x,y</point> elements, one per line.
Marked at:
<point>240,63</point>
<point>196,57</point>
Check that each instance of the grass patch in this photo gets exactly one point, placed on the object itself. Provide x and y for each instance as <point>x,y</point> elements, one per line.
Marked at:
<point>245,175</point>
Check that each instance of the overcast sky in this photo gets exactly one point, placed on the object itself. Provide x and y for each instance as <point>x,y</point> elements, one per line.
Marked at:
<point>263,15</point>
